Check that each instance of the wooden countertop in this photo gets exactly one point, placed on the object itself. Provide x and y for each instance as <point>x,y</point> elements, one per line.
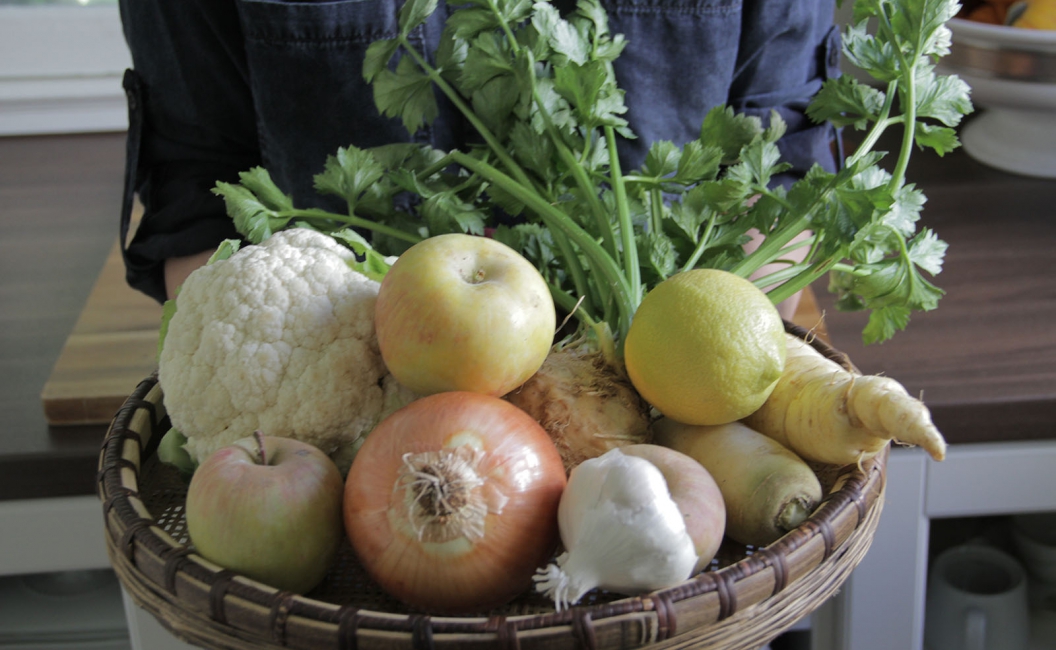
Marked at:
<point>113,345</point>
<point>985,361</point>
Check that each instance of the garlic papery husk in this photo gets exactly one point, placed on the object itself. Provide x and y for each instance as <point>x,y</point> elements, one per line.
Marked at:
<point>621,529</point>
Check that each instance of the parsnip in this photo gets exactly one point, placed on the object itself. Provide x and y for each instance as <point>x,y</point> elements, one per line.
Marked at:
<point>827,414</point>
<point>767,489</point>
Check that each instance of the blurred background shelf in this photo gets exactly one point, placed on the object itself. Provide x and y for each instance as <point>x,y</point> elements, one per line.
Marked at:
<point>67,610</point>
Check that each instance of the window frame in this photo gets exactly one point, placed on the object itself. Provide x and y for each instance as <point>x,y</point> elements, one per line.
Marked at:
<point>61,69</point>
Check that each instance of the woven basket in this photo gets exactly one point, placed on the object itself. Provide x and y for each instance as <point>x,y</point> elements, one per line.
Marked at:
<point>744,599</point>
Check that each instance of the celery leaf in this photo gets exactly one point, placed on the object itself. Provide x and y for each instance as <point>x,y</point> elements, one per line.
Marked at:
<point>406,94</point>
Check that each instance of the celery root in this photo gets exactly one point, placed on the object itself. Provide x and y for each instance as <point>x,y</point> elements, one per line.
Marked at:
<point>584,403</point>
<point>828,414</point>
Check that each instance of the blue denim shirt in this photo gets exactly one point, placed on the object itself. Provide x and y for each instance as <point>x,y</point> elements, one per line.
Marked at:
<point>219,86</point>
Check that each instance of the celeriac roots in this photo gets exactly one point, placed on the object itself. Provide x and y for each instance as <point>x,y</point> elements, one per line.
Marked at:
<point>584,403</point>
<point>827,414</point>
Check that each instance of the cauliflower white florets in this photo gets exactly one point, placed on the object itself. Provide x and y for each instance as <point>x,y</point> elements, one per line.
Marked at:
<point>278,337</point>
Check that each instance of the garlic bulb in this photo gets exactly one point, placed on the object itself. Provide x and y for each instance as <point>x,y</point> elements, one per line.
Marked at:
<point>621,530</point>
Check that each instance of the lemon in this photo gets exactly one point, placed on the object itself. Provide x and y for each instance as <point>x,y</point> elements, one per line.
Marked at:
<point>706,347</point>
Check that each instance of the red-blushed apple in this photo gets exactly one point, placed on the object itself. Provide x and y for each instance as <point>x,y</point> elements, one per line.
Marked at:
<point>460,312</point>
<point>269,508</point>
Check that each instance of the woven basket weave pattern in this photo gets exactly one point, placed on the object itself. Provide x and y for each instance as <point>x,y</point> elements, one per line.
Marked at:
<point>743,600</point>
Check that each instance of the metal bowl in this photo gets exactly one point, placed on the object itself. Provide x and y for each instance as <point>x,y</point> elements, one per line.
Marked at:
<point>1012,74</point>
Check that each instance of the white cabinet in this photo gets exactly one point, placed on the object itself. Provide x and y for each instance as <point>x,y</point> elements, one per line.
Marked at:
<point>881,606</point>
<point>56,586</point>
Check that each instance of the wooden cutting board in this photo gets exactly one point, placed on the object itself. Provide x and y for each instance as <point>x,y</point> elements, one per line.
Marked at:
<point>113,346</point>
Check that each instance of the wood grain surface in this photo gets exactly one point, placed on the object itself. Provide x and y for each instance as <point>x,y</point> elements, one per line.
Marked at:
<point>112,347</point>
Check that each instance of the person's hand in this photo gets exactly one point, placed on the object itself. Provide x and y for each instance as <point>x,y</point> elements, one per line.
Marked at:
<point>787,308</point>
<point>178,268</point>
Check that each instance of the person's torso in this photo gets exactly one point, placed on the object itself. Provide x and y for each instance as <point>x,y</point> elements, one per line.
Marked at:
<point>305,63</point>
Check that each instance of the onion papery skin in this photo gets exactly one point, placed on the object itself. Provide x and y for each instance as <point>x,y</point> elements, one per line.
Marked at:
<point>514,470</point>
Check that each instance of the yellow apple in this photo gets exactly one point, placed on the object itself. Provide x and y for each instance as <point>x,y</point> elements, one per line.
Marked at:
<point>460,312</point>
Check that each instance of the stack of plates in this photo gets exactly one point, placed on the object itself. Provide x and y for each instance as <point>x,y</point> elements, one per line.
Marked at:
<point>70,610</point>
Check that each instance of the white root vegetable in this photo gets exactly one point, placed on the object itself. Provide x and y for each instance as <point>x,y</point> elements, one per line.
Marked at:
<point>585,405</point>
<point>768,490</point>
<point>827,414</point>
<point>621,529</point>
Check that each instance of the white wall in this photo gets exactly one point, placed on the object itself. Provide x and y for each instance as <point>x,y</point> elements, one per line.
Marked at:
<point>60,69</point>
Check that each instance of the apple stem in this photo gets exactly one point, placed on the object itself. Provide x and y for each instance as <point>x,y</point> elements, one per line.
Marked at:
<point>258,435</point>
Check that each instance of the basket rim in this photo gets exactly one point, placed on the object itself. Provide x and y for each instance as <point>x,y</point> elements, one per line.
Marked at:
<point>160,573</point>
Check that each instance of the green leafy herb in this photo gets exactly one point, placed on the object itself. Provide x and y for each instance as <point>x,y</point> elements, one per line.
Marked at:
<point>540,90</point>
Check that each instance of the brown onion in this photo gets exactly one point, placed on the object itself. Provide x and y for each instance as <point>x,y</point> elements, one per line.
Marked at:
<point>451,504</point>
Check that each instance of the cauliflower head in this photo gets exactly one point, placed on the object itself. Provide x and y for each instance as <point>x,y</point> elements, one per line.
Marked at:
<point>278,337</point>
